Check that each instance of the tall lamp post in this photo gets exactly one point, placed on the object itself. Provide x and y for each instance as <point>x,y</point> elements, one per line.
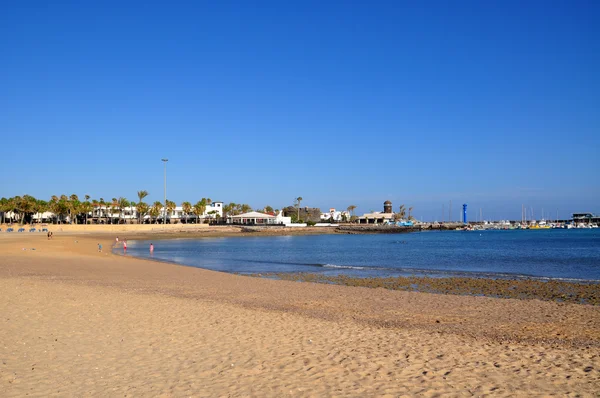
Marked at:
<point>165,210</point>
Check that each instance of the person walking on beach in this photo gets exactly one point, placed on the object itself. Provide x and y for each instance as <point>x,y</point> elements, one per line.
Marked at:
<point>124,246</point>
<point>151,248</point>
<point>99,247</point>
<point>48,235</point>
<point>117,240</point>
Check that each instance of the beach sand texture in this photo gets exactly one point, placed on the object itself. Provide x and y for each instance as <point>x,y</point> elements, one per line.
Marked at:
<point>77,322</point>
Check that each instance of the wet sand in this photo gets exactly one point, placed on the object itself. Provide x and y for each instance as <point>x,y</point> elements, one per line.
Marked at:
<point>77,322</point>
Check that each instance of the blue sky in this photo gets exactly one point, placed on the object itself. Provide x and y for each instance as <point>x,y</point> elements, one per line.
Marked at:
<point>492,103</point>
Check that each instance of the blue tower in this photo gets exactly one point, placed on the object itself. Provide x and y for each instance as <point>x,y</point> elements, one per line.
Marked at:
<point>465,213</point>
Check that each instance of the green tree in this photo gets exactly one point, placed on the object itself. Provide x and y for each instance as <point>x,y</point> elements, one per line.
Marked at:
<point>86,208</point>
<point>245,208</point>
<point>41,206</point>
<point>122,204</point>
<point>268,209</point>
<point>187,208</point>
<point>4,205</point>
<point>141,195</point>
<point>60,207</point>
<point>199,209</point>
<point>25,206</point>
<point>155,211</point>
<point>102,204</point>
<point>142,209</point>
<point>170,207</point>
<point>231,209</point>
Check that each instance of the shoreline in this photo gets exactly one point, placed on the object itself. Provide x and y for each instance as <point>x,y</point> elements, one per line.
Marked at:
<point>79,322</point>
<point>585,292</point>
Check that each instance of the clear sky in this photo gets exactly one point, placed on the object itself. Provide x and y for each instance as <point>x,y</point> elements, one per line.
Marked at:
<point>492,103</point>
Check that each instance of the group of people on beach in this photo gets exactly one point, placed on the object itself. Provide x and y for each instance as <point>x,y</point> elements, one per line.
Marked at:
<point>116,244</point>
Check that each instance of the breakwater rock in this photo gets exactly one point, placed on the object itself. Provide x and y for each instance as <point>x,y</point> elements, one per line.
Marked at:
<point>376,229</point>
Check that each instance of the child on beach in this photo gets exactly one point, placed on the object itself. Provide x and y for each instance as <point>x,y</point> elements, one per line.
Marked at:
<point>99,247</point>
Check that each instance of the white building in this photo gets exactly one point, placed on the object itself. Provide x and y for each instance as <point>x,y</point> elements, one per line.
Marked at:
<point>252,218</point>
<point>335,215</point>
<point>376,217</point>
<point>129,215</point>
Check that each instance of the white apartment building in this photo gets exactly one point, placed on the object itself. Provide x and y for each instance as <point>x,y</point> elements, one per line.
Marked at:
<point>130,215</point>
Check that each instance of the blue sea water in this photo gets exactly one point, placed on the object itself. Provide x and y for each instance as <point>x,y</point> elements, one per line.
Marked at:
<point>541,254</point>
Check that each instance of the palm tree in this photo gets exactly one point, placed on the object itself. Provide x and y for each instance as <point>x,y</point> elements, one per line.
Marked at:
<point>170,207</point>
<point>298,201</point>
<point>3,208</point>
<point>41,206</point>
<point>74,208</point>
<point>102,204</point>
<point>122,203</point>
<point>141,195</point>
<point>245,208</point>
<point>25,206</point>
<point>114,204</point>
<point>86,208</point>
<point>60,208</point>
<point>142,208</point>
<point>410,209</point>
<point>351,209</point>
<point>187,208</point>
<point>155,210</point>
<point>199,209</point>
<point>402,212</point>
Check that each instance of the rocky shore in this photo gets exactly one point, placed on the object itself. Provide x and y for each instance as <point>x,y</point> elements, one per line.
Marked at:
<point>392,229</point>
<point>557,291</point>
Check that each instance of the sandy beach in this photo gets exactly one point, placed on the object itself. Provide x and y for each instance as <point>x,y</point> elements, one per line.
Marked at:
<point>78,322</point>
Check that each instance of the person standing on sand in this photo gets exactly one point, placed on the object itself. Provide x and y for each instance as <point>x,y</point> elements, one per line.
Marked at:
<point>99,247</point>
<point>117,240</point>
<point>48,235</point>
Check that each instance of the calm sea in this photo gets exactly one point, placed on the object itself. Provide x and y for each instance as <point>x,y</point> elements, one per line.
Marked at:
<point>555,254</point>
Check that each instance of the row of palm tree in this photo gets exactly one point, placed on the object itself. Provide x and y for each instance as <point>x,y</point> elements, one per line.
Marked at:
<point>233,209</point>
<point>402,212</point>
<point>72,207</point>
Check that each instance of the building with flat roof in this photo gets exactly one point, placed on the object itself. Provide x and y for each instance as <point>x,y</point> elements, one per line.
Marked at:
<point>378,217</point>
<point>252,218</point>
<point>586,218</point>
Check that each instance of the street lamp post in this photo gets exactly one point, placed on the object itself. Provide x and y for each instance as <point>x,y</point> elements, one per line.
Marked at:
<point>165,209</point>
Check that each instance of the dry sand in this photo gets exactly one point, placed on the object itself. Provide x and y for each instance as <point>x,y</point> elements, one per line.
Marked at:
<point>77,322</point>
